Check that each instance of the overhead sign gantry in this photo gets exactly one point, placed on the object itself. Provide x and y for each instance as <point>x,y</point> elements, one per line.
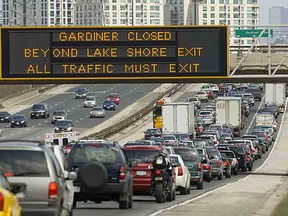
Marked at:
<point>114,53</point>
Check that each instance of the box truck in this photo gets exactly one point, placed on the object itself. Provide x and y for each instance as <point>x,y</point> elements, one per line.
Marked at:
<point>275,93</point>
<point>178,118</point>
<point>228,111</point>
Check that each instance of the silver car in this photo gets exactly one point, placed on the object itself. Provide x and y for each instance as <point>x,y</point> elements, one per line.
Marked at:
<point>58,115</point>
<point>202,95</point>
<point>90,101</point>
<point>32,167</point>
<point>97,112</point>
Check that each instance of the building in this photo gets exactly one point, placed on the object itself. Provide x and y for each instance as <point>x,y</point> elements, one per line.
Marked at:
<point>278,15</point>
<point>89,13</point>
<point>1,12</point>
<point>235,13</point>
<point>37,12</point>
<point>181,12</point>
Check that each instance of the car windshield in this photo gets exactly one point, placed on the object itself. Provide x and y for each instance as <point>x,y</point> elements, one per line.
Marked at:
<point>157,139</point>
<point>141,156</point>
<point>4,113</point>
<point>90,99</point>
<point>19,163</point>
<point>83,153</point>
<point>63,123</point>
<point>80,91</point>
<point>205,113</point>
<point>108,102</point>
<point>38,106</point>
<point>18,117</point>
<point>59,113</point>
<point>97,109</point>
<point>237,149</point>
<point>174,160</point>
<point>187,154</point>
<point>151,131</point>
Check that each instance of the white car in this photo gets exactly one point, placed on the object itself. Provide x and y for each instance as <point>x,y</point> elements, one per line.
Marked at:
<point>182,174</point>
<point>202,95</point>
<point>90,101</point>
<point>69,192</point>
<point>195,100</point>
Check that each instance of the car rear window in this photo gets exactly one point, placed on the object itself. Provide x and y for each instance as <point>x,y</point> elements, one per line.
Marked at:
<point>237,149</point>
<point>141,156</point>
<point>200,143</point>
<point>259,133</point>
<point>229,154</point>
<point>213,153</point>
<point>24,163</point>
<point>106,154</point>
<point>187,155</point>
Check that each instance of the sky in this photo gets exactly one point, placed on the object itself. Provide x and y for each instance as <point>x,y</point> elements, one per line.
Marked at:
<point>266,4</point>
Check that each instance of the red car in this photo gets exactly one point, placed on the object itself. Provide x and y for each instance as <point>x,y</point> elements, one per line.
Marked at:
<point>114,97</point>
<point>141,158</point>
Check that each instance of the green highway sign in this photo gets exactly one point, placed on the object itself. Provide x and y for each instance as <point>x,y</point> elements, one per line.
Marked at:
<point>251,33</point>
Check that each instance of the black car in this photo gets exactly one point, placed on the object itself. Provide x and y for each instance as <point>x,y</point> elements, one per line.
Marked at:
<point>155,132</point>
<point>255,91</point>
<point>18,120</point>
<point>109,105</point>
<point>81,93</point>
<point>103,173</point>
<point>241,156</point>
<point>5,117</point>
<point>63,126</point>
<point>39,111</point>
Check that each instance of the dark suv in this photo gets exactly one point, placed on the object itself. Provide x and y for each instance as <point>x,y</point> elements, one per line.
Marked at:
<point>103,173</point>
<point>39,110</point>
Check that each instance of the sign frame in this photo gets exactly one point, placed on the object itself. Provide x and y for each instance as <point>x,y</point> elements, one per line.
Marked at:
<point>114,79</point>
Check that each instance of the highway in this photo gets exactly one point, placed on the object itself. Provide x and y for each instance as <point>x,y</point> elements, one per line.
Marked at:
<point>146,205</point>
<point>66,100</point>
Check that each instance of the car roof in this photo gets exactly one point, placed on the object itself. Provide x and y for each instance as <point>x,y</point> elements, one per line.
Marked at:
<point>143,147</point>
<point>22,144</point>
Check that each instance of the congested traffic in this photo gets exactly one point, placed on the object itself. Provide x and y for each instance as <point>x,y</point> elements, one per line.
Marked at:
<point>209,137</point>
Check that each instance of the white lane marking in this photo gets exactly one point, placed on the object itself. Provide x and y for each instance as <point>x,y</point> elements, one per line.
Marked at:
<point>73,108</point>
<point>46,121</point>
<point>68,110</point>
<point>76,121</point>
<point>252,121</point>
<point>12,134</point>
<point>55,104</point>
<point>39,124</point>
<point>81,119</point>
<point>38,137</point>
<point>212,191</point>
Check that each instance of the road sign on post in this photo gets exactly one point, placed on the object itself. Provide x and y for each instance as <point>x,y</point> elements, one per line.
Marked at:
<point>252,33</point>
<point>113,53</point>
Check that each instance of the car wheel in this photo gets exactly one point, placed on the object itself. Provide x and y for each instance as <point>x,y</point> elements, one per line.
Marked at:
<point>188,189</point>
<point>124,204</point>
<point>220,176</point>
<point>200,185</point>
<point>32,117</point>
<point>183,191</point>
<point>250,168</point>
<point>259,156</point>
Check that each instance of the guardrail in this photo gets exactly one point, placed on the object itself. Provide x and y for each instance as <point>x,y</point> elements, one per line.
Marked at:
<point>133,118</point>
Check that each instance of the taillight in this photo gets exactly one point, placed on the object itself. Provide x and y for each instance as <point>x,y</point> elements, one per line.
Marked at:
<point>9,174</point>
<point>234,162</point>
<point>206,167</point>
<point>225,163</point>
<point>1,202</point>
<point>158,172</point>
<point>180,170</point>
<point>122,174</point>
<point>53,190</point>
<point>219,162</point>
<point>199,166</point>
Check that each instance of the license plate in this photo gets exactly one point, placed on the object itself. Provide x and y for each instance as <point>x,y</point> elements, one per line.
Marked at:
<point>76,189</point>
<point>158,178</point>
<point>141,173</point>
<point>17,123</point>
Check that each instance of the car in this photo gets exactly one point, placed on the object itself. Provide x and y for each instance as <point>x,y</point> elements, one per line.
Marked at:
<point>158,140</point>
<point>155,132</point>
<point>245,108</point>
<point>97,112</point>
<point>199,126</point>
<point>216,161</point>
<point>232,160</point>
<point>255,91</point>
<point>169,150</point>
<point>58,115</point>
<point>141,158</point>
<point>202,96</point>
<point>213,132</point>
<point>32,166</point>
<point>90,101</point>
<point>269,129</point>
<point>227,166</point>
<point>18,120</point>
<point>170,140</point>
<point>193,161</point>
<point>195,100</point>
<point>200,142</point>
<point>211,95</point>
<point>207,167</point>
<point>182,174</point>
<point>69,191</point>
<point>249,97</point>
<point>208,137</point>
<point>9,204</point>
<point>103,173</point>
<point>81,93</point>
<point>5,117</point>
<point>262,135</point>
<point>39,110</point>
<point>206,88</point>
<point>114,97</point>
<point>63,126</point>
<point>109,105</point>
<point>269,110</point>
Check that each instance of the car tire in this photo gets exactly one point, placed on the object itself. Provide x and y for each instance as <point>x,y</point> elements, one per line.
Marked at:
<point>125,204</point>
<point>131,199</point>
<point>259,156</point>
<point>250,168</point>
<point>200,185</point>
<point>220,176</point>
<point>91,181</point>
<point>183,191</point>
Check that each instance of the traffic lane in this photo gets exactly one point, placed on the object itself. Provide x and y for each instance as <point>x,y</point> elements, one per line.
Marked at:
<point>145,205</point>
<point>80,115</point>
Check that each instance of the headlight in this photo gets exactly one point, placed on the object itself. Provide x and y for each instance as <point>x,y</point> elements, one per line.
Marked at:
<point>22,121</point>
<point>69,128</point>
<point>56,128</point>
<point>6,117</point>
<point>13,121</point>
<point>159,160</point>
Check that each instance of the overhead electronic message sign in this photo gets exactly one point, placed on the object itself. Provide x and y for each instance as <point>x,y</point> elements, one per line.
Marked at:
<point>117,53</point>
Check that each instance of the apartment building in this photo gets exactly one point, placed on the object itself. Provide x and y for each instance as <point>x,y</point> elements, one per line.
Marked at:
<point>235,13</point>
